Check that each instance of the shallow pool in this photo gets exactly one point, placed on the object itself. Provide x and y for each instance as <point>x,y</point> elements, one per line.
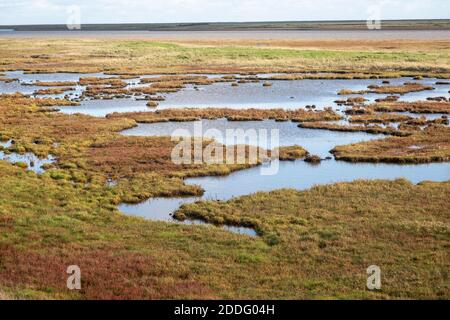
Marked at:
<point>282,94</point>
<point>289,174</point>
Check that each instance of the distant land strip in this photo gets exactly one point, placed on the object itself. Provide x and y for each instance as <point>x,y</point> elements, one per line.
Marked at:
<point>437,24</point>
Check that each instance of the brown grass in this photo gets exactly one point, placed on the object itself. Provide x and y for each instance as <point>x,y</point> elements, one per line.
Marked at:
<point>388,99</point>
<point>116,82</point>
<point>107,273</point>
<point>147,56</point>
<point>190,114</point>
<point>356,128</point>
<point>314,244</point>
<point>126,157</point>
<point>55,83</point>
<point>40,102</point>
<point>53,91</point>
<point>405,88</point>
<point>7,80</point>
<point>89,150</point>
<point>414,107</point>
<point>379,118</point>
<point>432,145</point>
<point>330,235</point>
<point>292,153</point>
<point>387,89</point>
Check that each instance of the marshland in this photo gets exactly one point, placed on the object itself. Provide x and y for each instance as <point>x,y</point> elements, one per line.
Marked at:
<point>87,176</point>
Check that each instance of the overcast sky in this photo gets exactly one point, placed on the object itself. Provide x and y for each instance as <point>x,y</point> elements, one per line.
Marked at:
<point>149,11</point>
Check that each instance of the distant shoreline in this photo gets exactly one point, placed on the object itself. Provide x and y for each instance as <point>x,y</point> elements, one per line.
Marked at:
<point>238,35</point>
<point>438,24</point>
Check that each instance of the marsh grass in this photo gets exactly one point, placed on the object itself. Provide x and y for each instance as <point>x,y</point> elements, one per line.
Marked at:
<point>407,87</point>
<point>131,57</point>
<point>431,145</point>
<point>330,234</point>
<point>313,244</point>
<point>413,107</point>
<point>55,83</point>
<point>7,80</point>
<point>58,90</point>
<point>379,118</point>
<point>190,114</point>
<point>375,129</point>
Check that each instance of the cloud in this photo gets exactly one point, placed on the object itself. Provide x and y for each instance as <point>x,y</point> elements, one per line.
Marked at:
<point>135,11</point>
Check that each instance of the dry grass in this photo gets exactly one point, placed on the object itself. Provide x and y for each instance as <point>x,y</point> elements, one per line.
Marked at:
<point>90,150</point>
<point>115,87</point>
<point>138,56</point>
<point>107,273</point>
<point>414,107</point>
<point>379,118</point>
<point>39,102</point>
<point>55,83</point>
<point>375,129</point>
<point>315,244</point>
<point>4,296</point>
<point>53,91</point>
<point>387,89</point>
<point>431,145</point>
<point>326,237</point>
<point>7,80</point>
<point>292,153</point>
<point>189,114</point>
<point>115,82</point>
<point>126,157</point>
<point>388,99</point>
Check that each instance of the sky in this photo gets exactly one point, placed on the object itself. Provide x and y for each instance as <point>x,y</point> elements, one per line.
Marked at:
<point>161,11</point>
